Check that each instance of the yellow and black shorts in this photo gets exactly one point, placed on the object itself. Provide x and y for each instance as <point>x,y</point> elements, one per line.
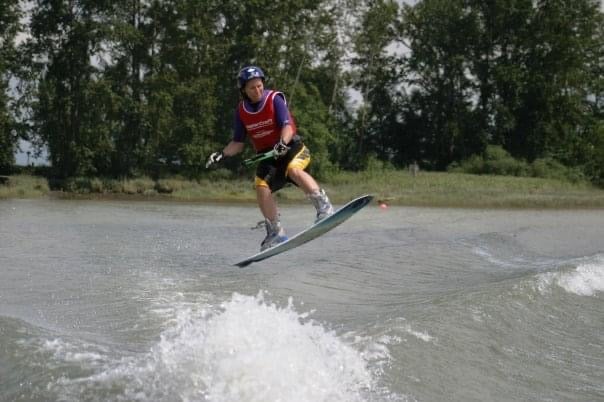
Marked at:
<point>273,173</point>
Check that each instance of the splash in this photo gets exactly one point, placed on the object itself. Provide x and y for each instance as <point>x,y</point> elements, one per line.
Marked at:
<point>247,349</point>
<point>254,350</point>
<point>586,280</point>
<point>419,334</point>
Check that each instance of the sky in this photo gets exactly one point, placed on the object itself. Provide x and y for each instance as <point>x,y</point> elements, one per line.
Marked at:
<point>21,158</point>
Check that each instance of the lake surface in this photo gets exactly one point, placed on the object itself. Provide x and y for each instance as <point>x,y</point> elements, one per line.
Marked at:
<point>117,301</point>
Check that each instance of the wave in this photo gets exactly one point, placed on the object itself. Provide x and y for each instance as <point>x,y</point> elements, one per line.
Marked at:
<point>583,276</point>
<point>586,279</point>
<point>245,349</point>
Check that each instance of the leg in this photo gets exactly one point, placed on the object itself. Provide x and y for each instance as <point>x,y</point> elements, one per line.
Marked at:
<point>267,203</point>
<point>275,233</point>
<point>304,180</point>
<point>318,197</point>
<point>297,174</point>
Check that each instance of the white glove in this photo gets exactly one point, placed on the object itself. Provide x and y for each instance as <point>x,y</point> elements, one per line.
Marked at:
<point>214,158</point>
<point>280,149</point>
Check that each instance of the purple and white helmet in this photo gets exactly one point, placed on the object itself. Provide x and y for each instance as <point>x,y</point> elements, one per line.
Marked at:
<point>248,73</point>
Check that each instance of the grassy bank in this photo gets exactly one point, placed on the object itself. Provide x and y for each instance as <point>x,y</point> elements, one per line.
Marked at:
<point>396,187</point>
<point>23,186</point>
<point>465,190</point>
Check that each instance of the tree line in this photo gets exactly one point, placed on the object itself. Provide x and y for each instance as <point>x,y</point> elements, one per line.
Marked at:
<point>119,88</point>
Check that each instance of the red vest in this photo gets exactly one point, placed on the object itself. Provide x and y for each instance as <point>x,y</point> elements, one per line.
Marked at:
<point>261,126</point>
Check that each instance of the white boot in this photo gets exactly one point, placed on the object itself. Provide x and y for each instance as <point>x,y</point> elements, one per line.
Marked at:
<point>322,204</point>
<point>275,234</point>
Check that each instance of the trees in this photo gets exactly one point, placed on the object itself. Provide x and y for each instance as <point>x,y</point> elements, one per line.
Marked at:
<point>554,119</point>
<point>543,81</point>
<point>376,79</point>
<point>440,34</point>
<point>9,18</point>
<point>119,88</point>
<point>68,111</point>
<point>516,73</point>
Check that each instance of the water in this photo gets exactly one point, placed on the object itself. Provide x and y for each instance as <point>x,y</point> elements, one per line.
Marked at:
<point>114,301</point>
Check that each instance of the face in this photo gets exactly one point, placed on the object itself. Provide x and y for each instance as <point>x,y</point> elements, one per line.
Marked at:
<point>254,89</point>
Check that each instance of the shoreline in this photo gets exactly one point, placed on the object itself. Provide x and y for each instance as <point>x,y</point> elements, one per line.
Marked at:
<point>531,204</point>
<point>394,188</point>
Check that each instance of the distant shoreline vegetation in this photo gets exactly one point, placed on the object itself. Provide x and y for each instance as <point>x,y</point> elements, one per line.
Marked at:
<point>390,186</point>
<point>105,89</point>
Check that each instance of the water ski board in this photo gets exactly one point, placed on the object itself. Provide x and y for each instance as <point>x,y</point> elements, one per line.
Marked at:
<point>312,232</point>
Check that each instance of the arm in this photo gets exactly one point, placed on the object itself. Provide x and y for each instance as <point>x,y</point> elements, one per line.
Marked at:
<point>287,133</point>
<point>233,148</point>
<point>283,119</point>
<point>281,147</point>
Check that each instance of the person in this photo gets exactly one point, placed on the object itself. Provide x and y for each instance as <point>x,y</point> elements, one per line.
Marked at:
<point>262,115</point>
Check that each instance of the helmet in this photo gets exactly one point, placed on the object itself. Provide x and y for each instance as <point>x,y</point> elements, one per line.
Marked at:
<point>248,73</point>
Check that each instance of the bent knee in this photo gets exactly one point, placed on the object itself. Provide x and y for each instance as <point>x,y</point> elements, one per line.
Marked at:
<point>295,174</point>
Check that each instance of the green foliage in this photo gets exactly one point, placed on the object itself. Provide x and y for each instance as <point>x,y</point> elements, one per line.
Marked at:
<point>516,73</point>
<point>594,155</point>
<point>376,78</point>
<point>7,139</point>
<point>9,18</point>
<point>375,165</point>
<point>96,185</point>
<point>314,125</point>
<point>168,186</point>
<point>497,161</point>
<point>442,33</point>
<point>123,89</point>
